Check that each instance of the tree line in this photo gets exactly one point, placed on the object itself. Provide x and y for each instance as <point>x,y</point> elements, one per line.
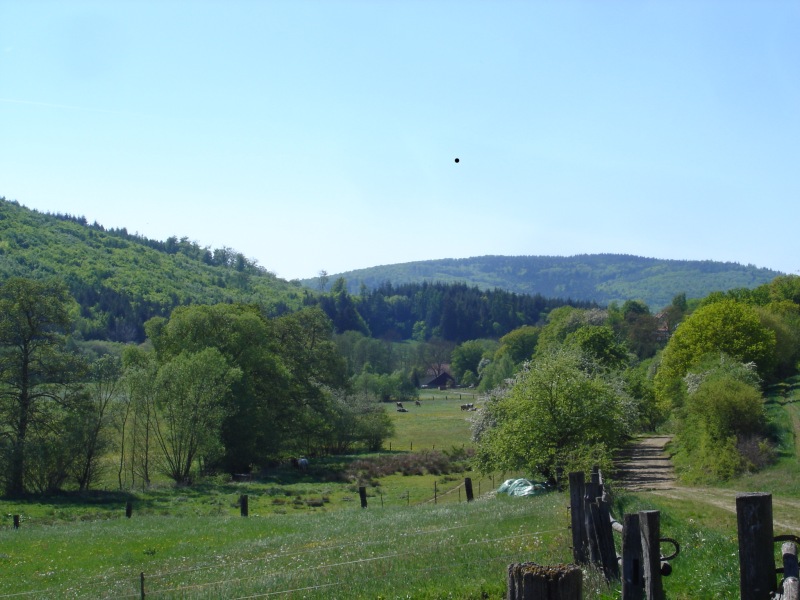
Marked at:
<point>563,396</point>
<point>215,387</point>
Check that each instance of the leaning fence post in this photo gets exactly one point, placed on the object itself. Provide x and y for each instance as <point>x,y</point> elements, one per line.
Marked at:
<point>650,528</point>
<point>577,518</point>
<point>468,488</point>
<point>605,541</point>
<point>529,581</point>
<point>757,578</point>
<point>632,573</point>
<point>362,491</point>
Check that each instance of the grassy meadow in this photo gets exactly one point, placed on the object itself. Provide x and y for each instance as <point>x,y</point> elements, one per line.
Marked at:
<point>307,537</point>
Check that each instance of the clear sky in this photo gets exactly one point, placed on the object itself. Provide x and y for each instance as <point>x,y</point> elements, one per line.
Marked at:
<point>314,135</point>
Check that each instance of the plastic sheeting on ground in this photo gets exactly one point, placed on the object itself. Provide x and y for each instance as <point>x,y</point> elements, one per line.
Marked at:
<point>522,487</point>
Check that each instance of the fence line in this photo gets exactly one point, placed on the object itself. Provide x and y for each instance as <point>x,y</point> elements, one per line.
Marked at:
<point>593,541</point>
<point>346,563</point>
<point>290,554</point>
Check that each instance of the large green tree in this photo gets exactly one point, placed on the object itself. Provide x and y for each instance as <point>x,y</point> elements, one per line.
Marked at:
<point>560,413</point>
<point>191,402</point>
<point>726,326</point>
<point>34,367</point>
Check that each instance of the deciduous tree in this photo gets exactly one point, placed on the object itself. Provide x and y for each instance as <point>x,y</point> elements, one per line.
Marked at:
<point>34,366</point>
<point>560,412</point>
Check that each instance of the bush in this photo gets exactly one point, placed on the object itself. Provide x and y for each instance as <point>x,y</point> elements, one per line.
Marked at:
<point>722,429</point>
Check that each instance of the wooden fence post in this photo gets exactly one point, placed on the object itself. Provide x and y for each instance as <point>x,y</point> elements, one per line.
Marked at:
<point>605,541</point>
<point>591,491</point>
<point>757,578</point>
<point>362,491</point>
<point>529,581</point>
<point>141,585</point>
<point>577,518</point>
<point>632,572</point>
<point>650,528</point>
<point>243,505</point>
<point>791,571</point>
<point>128,509</point>
<point>468,488</point>
<point>16,521</point>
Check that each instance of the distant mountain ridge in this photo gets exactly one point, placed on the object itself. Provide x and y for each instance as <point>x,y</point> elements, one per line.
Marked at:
<point>602,278</point>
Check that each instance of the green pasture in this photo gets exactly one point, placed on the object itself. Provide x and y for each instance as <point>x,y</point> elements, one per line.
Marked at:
<point>308,537</point>
<point>438,423</point>
<point>422,551</point>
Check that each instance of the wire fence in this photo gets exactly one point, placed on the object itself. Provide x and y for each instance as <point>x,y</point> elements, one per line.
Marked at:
<point>323,568</point>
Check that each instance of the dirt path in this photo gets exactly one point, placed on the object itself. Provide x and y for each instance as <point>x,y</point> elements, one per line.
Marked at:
<point>644,466</point>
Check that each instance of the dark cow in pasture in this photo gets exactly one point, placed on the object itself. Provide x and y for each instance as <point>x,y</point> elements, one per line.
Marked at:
<point>469,406</point>
<point>417,402</point>
<point>399,405</point>
<point>401,409</point>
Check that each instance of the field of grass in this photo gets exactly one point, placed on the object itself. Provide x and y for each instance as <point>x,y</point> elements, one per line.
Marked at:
<point>307,537</point>
<point>424,551</point>
<point>438,423</point>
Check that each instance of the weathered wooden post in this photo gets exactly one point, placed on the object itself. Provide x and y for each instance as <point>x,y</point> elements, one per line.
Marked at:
<point>590,514</point>
<point>632,573</point>
<point>362,491</point>
<point>435,494</point>
<point>16,521</point>
<point>243,505</point>
<point>790,566</point>
<point>141,585</point>
<point>757,578</point>
<point>577,518</point>
<point>605,541</point>
<point>468,488</point>
<point>529,581</point>
<point>791,571</point>
<point>128,509</point>
<point>650,528</point>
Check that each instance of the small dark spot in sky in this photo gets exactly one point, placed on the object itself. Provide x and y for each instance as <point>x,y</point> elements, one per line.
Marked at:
<point>456,160</point>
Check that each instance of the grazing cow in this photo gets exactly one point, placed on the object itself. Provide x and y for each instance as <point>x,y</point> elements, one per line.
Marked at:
<point>399,405</point>
<point>302,463</point>
<point>417,402</point>
<point>469,406</point>
<point>402,409</point>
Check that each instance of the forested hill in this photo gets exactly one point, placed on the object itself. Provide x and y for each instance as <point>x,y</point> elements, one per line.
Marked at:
<point>601,278</point>
<point>121,280</point>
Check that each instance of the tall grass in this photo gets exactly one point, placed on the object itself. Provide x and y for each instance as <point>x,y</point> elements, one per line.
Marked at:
<point>454,550</point>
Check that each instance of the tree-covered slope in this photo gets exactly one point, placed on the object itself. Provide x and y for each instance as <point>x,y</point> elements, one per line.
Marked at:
<point>121,280</point>
<point>602,278</point>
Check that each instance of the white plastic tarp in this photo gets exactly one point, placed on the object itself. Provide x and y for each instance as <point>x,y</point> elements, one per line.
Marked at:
<point>521,487</point>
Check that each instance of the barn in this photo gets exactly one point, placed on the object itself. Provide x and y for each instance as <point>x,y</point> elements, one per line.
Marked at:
<point>443,380</point>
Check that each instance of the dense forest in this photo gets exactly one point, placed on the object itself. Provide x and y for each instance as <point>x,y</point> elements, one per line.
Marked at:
<point>600,278</point>
<point>120,280</point>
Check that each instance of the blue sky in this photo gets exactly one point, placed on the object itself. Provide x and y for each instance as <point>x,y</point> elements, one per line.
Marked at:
<point>314,135</point>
